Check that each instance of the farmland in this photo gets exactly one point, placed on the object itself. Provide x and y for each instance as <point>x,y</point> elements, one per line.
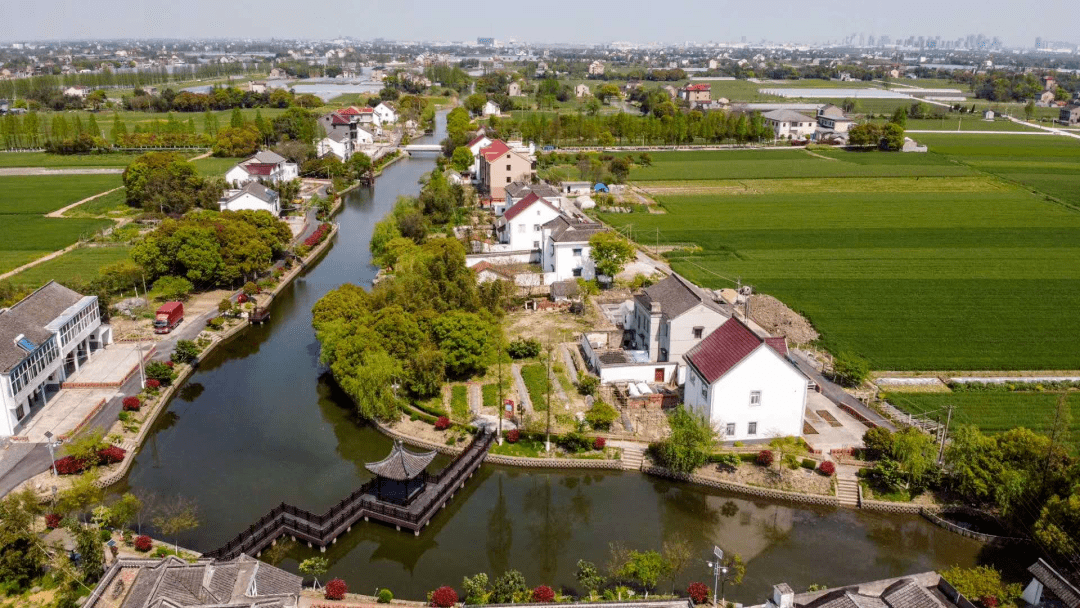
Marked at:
<point>82,264</point>
<point>41,194</point>
<point>992,412</point>
<point>916,261</point>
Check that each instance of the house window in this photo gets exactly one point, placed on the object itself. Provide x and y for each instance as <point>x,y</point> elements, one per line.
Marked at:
<point>536,244</point>
<point>521,228</point>
<point>508,167</point>
<point>508,179</point>
<point>704,392</point>
<point>751,429</point>
<point>536,227</point>
<point>697,332</point>
<point>577,272</point>
<point>755,398</point>
<point>730,430</point>
<point>577,252</point>
<point>693,379</point>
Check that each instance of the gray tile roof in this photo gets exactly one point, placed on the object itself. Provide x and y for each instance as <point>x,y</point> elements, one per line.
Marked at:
<point>906,594</point>
<point>787,116</point>
<point>677,295</point>
<point>401,464</point>
<point>521,189</point>
<point>1065,591</point>
<point>564,230</point>
<point>257,190</point>
<point>275,581</point>
<point>267,156</point>
<point>172,583</point>
<point>29,317</point>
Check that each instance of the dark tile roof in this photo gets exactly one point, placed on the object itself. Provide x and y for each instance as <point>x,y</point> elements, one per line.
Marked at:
<point>29,317</point>
<point>725,347</point>
<point>401,464</point>
<point>268,157</point>
<point>257,190</point>
<point>906,594</point>
<point>676,295</point>
<point>173,582</point>
<point>566,231</point>
<point>275,581</point>
<point>1065,591</point>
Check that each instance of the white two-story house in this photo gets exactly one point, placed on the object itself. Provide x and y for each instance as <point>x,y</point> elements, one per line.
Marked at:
<point>264,165</point>
<point>566,253</point>
<point>387,113</point>
<point>44,338</point>
<point>789,124</point>
<point>745,385</point>
<point>252,197</point>
<point>521,226</point>
<point>671,317</point>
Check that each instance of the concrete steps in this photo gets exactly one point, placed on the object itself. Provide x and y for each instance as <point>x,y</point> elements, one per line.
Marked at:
<point>633,458</point>
<point>847,490</point>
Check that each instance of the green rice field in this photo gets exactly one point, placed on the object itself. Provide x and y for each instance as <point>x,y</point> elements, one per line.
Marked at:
<point>992,412</point>
<point>213,166</point>
<point>915,261</point>
<point>41,194</point>
<point>81,264</point>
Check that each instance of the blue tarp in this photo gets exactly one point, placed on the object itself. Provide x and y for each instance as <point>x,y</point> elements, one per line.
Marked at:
<point>600,188</point>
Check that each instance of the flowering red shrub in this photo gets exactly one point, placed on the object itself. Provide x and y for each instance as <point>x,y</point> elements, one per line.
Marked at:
<point>827,468</point>
<point>240,299</point>
<point>513,435</point>
<point>336,589</point>
<point>698,592</point>
<point>765,458</point>
<point>317,236</point>
<point>52,521</point>
<point>543,594</point>
<point>143,543</point>
<point>443,597</point>
<point>111,455</point>
<point>599,443</point>
<point>442,423</point>
<point>132,404</point>
<point>989,601</point>
<point>169,363</point>
<point>153,383</point>
<point>69,465</point>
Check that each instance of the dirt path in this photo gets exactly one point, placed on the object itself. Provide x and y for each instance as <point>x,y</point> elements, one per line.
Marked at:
<point>60,212</point>
<point>818,155</point>
<point>40,260</point>
<point>201,156</point>
<point>10,171</point>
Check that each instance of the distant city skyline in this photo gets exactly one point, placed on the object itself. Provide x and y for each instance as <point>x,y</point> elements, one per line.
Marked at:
<point>554,21</point>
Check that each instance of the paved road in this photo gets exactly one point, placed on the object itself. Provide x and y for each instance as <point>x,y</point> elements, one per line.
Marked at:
<point>21,462</point>
<point>835,393</point>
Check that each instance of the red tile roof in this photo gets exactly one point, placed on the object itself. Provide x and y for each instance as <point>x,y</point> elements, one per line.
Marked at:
<point>349,111</point>
<point>494,150</point>
<point>524,204</point>
<point>337,118</point>
<point>475,139</point>
<point>698,87</point>
<point>724,348</point>
<point>259,168</point>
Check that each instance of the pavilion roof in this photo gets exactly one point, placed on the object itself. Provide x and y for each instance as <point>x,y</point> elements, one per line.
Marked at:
<point>401,464</point>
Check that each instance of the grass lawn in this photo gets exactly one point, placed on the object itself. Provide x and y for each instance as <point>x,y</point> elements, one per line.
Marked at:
<point>40,194</point>
<point>42,159</point>
<point>490,394</point>
<point>459,403</point>
<point>213,166</point>
<point>527,447</point>
<point>992,412</point>
<point>965,122</point>
<point>80,264</point>
<point>911,272</point>
<point>536,381</point>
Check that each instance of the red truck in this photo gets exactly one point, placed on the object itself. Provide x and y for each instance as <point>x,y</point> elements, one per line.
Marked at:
<point>168,317</point>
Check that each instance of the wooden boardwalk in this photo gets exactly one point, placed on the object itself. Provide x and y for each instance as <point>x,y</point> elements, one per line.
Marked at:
<point>323,530</point>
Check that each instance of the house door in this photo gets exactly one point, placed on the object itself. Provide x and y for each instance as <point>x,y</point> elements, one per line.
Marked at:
<point>658,375</point>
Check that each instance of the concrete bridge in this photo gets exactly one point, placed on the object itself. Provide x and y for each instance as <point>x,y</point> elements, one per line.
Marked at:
<point>422,148</point>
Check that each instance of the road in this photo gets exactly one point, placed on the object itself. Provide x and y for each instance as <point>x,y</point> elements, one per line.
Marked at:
<point>10,171</point>
<point>835,393</point>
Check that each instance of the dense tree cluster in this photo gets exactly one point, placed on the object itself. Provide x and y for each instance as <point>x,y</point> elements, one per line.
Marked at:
<point>213,249</point>
<point>167,183</point>
<point>219,98</point>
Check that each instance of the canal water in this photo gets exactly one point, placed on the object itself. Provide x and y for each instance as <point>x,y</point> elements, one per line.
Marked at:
<point>261,423</point>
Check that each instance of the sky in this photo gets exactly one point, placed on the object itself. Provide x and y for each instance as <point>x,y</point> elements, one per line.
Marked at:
<point>570,21</point>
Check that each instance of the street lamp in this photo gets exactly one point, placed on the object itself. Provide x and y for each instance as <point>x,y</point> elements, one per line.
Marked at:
<point>52,455</point>
<point>719,575</point>
<point>142,374</point>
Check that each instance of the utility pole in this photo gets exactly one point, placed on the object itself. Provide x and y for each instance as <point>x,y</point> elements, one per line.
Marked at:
<point>502,402</point>
<point>948,419</point>
<point>547,441</point>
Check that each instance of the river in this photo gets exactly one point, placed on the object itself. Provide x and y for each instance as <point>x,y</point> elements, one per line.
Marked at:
<point>260,422</point>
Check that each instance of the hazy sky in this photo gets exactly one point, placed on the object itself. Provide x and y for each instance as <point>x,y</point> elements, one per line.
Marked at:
<point>537,21</point>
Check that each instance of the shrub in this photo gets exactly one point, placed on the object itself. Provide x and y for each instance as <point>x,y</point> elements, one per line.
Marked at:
<point>104,534</point>
<point>524,349</point>
<point>544,594</point>
<point>809,463</point>
<point>587,384</point>
<point>52,521</point>
<point>153,384</point>
<point>599,443</point>
<point>162,372</point>
<point>879,442</point>
<point>317,236</point>
<point>335,589</point>
<point>442,423</point>
<point>827,468</point>
<point>215,323</point>
<point>850,369</point>
<point>186,351</point>
<point>601,415</point>
<point>111,455</point>
<point>698,592</point>
<point>988,601</point>
<point>172,288</point>
<point>444,597</point>
<point>727,462</point>
<point>513,435</point>
<point>385,596</point>
<point>764,458</point>
<point>132,404</point>
<point>69,465</point>
<point>574,441</point>
<point>143,543</point>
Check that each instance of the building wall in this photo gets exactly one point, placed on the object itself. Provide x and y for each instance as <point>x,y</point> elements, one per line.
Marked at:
<point>252,203</point>
<point>792,129</point>
<point>339,149</point>
<point>509,167</point>
<point>727,401</point>
<point>525,231</point>
<point>237,175</point>
<point>559,261</point>
<point>680,335</point>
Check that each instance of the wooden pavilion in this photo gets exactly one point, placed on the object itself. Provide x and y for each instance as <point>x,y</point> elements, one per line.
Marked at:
<point>400,476</point>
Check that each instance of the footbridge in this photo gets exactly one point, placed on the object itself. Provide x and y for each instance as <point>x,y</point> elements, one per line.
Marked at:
<point>422,148</point>
<point>363,504</point>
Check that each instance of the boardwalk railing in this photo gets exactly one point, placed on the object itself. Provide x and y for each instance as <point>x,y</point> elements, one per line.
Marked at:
<point>324,529</point>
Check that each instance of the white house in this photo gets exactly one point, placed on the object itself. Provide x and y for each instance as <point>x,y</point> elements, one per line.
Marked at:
<point>566,253</point>
<point>789,124</point>
<point>515,191</point>
<point>338,143</point>
<point>596,68</point>
<point>491,109</point>
<point>265,165</point>
<point>254,197</point>
<point>387,113</point>
<point>513,89</point>
<point>44,338</point>
<point>80,92</point>
<point>522,225</point>
<point>671,317</point>
<point>478,143</point>
<point>832,121</point>
<point>582,90</point>
<point>745,385</point>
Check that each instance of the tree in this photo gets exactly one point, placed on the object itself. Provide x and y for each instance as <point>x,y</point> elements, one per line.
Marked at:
<point>91,552</point>
<point>464,339</point>
<point>620,169</point>
<point>982,582</point>
<point>21,556</point>
<point>1029,110</point>
<point>589,577</point>
<point>850,369</point>
<point>610,252</point>
<point>678,555</point>
<point>462,159</point>
<point>167,183</point>
<point>186,351</point>
<point>315,567</point>
<point>360,166</point>
<point>916,453</point>
<point>170,288</point>
<point>899,117</point>
<point>237,141</point>
<point>782,446</point>
<point>892,137</point>
<point>125,510</point>
<point>475,103</point>
<point>644,568</point>
<point>508,587</point>
<point>176,516</point>
<point>689,445</point>
<point>236,120</point>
